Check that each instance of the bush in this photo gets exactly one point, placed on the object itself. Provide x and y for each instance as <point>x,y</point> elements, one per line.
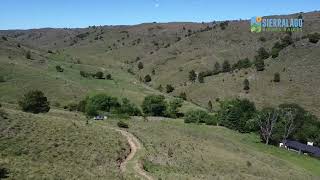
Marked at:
<point>314,38</point>
<point>154,105</point>
<point>192,76</point>
<point>99,75</point>
<point>34,102</point>
<point>128,108</point>
<point>217,68</point>
<point>3,114</point>
<point>246,85</point>
<point>242,64</point>
<point>183,96</point>
<point>28,55</point>
<point>259,64</point>
<point>210,108</point>
<point>173,108</point>
<point>140,65</point>
<point>59,68</point>
<point>262,39</point>
<point>276,77</point>
<point>201,77</point>
<point>226,67</point>
<point>169,88</point>
<point>84,74</point>
<point>4,38</point>
<point>122,124</point>
<point>2,79</point>
<point>109,77</point>
<point>147,78</point>
<point>263,54</point>
<point>197,116</point>
<point>72,107</point>
<point>160,88</point>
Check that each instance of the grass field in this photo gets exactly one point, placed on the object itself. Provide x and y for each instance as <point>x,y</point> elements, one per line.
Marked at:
<point>175,150</point>
<point>59,145</point>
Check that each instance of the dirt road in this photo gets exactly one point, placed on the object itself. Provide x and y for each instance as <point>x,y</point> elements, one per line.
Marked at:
<point>135,146</point>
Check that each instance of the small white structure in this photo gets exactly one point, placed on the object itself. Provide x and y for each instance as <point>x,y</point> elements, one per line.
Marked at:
<point>281,145</point>
<point>310,143</point>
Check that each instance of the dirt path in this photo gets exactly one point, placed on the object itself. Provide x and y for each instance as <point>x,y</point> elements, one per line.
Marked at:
<point>135,146</point>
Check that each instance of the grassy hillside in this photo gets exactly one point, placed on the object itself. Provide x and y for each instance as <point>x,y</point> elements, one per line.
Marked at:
<point>58,145</point>
<point>171,50</point>
<point>184,151</point>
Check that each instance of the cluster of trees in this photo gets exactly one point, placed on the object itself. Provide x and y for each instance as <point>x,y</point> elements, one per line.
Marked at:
<point>96,104</point>
<point>97,75</point>
<point>156,105</point>
<point>287,121</point>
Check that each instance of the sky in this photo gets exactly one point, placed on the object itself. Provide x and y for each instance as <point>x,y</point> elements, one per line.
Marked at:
<point>27,14</point>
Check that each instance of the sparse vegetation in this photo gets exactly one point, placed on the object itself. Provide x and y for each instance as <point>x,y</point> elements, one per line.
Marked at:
<point>276,77</point>
<point>122,124</point>
<point>147,78</point>
<point>169,88</point>
<point>246,85</point>
<point>192,76</point>
<point>59,68</point>
<point>259,64</point>
<point>140,65</point>
<point>314,37</point>
<point>226,67</point>
<point>28,55</point>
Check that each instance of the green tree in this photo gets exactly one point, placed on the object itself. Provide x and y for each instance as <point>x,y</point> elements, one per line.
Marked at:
<point>246,85</point>
<point>101,102</point>
<point>147,78</point>
<point>276,77</point>
<point>217,68</point>
<point>192,76</point>
<point>34,102</point>
<point>99,75</point>
<point>154,105</point>
<point>169,88</point>
<point>128,108</point>
<point>226,67</point>
<point>140,65</point>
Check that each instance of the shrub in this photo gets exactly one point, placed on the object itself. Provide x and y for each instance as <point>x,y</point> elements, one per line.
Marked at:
<point>140,65</point>
<point>160,88</point>
<point>72,107</point>
<point>226,66</point>
<point>59,68</point>
<point>2,79</point>
<point>122,124</point>
<point>99,75</point>
<point>259,64</point>
<point>34,102</point>
<point>173,107</point>
<point>210,106</point>
<point>314,38</point>
<point>4,38</point>
<point>192,76</point>
<point>286,41</point>
<point>262,39</point>
<point>246,85</point>
<point>3,114</point>
<point>276,77</point>
<point>169,88</point>
<point>128,108</point>
<point>109,77</point>
<point>242,64</point>
<point>153,72</point>
<point>84,74</point>
<point>4,173</point>
<point>28,55</point>
<point>197,116</point>
<point>154,105</point>
<point>147,78</point>
<point>217,68</point>
<point>183,96</point>
<point>201,77</point>
<point>262,53</point>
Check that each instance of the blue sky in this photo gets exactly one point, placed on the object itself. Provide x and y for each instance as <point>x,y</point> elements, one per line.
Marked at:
<point>25,14</point>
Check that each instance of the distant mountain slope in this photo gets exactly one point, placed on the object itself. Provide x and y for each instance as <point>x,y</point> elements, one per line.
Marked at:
<point>168,52</point>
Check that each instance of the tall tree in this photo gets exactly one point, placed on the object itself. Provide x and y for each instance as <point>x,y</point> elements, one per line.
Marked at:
<point>267,120</point>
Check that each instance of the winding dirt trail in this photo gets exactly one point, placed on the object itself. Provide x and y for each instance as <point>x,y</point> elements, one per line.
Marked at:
<point>135,146</point>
